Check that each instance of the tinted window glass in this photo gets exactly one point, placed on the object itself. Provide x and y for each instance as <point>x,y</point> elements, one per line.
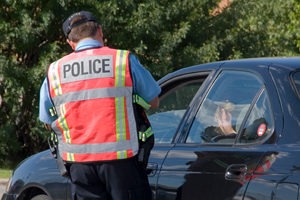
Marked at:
<point>221,114</point>
<point>175,98</point>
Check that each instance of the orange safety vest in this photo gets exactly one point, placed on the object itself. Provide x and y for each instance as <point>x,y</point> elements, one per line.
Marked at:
<point>92,93</point>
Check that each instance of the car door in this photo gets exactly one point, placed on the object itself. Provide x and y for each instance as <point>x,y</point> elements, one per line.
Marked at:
<point>177,93</point>
<point>205,164</point>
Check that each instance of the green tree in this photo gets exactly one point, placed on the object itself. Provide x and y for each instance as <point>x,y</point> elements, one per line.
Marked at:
<point>257,29</point>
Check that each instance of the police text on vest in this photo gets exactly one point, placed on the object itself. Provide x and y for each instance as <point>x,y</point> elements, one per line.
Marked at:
<point>87,68</point>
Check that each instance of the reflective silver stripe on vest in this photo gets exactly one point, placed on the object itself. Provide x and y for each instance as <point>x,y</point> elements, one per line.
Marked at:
<point>95,148</point>
<point>92,94</point>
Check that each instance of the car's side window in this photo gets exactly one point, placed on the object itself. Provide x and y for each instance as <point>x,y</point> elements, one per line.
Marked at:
<point>220,117</point>
<point>175,98</point>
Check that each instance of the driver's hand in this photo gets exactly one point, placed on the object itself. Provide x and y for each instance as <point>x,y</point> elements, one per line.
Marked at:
<point>225,121</point>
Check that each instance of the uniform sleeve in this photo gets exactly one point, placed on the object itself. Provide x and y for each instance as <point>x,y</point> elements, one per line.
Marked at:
<point>45,104</point>
<point>143,82</point>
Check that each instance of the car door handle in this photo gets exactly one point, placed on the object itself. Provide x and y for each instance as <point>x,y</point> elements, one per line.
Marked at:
<point>236,172</point>
<point>151,169</point>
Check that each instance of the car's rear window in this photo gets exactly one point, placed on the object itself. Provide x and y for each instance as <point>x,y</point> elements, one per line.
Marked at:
<point>296,80</point>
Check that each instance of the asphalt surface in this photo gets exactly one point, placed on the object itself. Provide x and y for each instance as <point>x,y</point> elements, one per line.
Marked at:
<point>3,183</point>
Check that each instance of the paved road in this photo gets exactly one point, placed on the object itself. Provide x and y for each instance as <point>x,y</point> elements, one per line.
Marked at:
<point>2,186</point>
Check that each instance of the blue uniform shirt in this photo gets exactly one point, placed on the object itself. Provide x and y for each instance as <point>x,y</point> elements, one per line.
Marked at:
<point>143,83</point>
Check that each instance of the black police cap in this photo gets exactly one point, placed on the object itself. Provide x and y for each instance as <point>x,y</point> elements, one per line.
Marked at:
<point>85,17</point>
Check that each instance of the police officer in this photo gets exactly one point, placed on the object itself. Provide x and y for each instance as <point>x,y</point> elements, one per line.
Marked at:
<point>87,100</point>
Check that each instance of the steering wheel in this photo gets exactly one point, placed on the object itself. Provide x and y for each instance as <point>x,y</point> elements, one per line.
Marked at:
<point>222,137</point>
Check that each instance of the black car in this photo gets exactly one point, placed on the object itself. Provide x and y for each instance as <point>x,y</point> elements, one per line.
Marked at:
<point>193,158</point>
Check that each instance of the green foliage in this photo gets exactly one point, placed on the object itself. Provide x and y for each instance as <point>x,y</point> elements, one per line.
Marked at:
<point>161,33</point>
<point>257,29</point>
<point>165,35</point>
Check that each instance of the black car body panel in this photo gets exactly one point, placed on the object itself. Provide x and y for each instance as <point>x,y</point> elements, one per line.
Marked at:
<point>38,174</point>
<point>261,161</point>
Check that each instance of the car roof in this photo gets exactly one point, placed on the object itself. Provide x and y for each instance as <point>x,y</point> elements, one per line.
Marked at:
<point>291,63</point>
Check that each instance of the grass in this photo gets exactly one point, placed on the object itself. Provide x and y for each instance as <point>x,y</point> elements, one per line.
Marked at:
<point>5,173</point>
